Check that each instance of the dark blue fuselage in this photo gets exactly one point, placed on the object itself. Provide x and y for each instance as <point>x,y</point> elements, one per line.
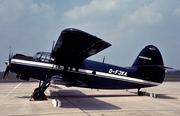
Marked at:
<point>90,74</point>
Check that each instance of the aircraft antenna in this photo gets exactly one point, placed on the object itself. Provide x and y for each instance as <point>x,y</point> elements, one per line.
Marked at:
<point>52,47</point>
<point>103,59</point>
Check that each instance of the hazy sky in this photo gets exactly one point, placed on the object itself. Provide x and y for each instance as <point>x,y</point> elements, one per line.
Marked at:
<point>29,26</point>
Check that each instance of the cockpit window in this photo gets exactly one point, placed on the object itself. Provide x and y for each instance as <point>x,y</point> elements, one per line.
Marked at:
<point>43,57</point>
<point>38,55</point>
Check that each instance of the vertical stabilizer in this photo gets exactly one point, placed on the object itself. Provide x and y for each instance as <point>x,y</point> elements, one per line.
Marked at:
<point>150,55</point>
<point>150,64</point>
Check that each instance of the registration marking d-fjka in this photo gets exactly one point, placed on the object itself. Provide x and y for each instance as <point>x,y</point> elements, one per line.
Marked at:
<point>118,72</point>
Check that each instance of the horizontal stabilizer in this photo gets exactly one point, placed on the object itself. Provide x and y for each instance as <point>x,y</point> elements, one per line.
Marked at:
<point>169,68</point>
<point>155,66</point>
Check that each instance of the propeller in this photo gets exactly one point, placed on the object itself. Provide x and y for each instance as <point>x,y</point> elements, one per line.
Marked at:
<point>8,63</point>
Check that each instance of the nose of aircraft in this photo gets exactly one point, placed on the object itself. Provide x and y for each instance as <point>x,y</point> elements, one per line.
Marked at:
<point>8,63</point>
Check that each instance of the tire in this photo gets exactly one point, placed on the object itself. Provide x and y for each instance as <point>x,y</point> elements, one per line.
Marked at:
<point>38,95</point>
<point>140,93</point>
<point>36,89</point>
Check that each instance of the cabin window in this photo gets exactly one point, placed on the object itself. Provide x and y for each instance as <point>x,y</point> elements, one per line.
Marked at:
<point>43,57</point>
<point>48,57</point>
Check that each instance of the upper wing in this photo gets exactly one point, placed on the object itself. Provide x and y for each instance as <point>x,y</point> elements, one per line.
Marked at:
<point>73,46</point>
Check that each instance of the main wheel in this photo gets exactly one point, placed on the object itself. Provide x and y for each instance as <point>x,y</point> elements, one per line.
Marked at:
<point>36,89</point>
<point>39,95</point>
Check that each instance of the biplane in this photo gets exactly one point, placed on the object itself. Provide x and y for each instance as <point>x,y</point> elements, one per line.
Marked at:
<point>67,64</point>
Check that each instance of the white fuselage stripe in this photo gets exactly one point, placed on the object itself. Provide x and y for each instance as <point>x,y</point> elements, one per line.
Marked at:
<point>33,63</point>
<point>85,71</point>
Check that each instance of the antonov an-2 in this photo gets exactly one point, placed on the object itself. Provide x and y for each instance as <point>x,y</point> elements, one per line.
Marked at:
<point>67,65</point>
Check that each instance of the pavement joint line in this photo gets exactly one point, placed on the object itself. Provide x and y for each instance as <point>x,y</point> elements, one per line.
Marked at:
<point>11,91</point>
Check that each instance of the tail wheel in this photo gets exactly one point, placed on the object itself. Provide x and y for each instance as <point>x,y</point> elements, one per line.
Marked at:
<point>39,95</point>
<point>140,93</point>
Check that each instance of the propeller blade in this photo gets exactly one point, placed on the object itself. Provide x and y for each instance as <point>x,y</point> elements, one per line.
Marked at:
<point>12,55</point>
<point>9,53</point>
<point>8,63</point>
<point>6,71</point>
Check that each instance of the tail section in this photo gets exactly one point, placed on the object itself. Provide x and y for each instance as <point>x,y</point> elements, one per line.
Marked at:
<point>150,64</point>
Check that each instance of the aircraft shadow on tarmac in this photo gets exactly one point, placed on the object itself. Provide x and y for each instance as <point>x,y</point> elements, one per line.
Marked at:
<point>75,98</point>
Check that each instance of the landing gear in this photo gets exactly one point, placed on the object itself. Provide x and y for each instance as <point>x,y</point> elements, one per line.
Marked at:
<point>38,93</point>
<point>140,93</point>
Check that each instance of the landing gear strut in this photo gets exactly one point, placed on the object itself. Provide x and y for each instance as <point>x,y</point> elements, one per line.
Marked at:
<point>140,93</point>
<point>38,93</point>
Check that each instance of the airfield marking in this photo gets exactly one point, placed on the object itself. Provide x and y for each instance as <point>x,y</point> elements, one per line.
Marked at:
<point>11,91</point>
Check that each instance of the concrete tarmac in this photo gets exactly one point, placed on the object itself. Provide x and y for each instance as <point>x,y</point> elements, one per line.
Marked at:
<point>15,96</point>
